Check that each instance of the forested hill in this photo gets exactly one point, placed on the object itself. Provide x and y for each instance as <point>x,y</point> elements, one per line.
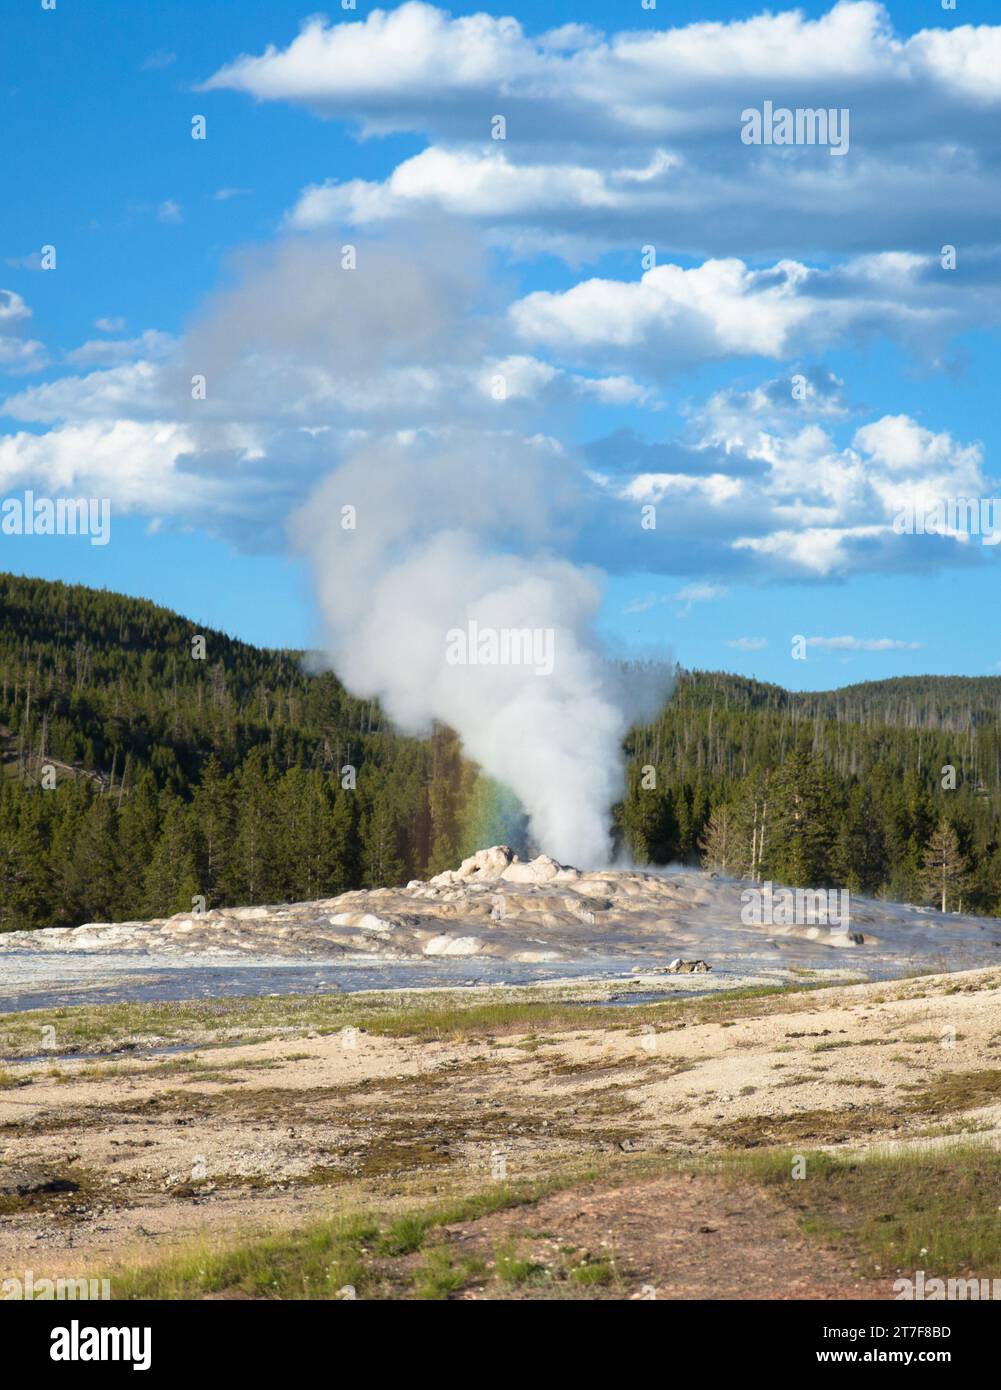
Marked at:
<point>910,702</point>
<point>187,763</point>
<point>115,683</point>
<point>907,702</point>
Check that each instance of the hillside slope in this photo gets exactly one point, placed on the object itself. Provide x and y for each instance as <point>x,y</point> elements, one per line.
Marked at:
<point>214,768</point>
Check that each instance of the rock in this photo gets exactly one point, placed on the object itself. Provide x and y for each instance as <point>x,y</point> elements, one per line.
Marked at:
<point>445,945</point>
<point>445,879</point>
<point>589,904</point>
<point>485,863</point>
<point>541,870</point>
<point>26,1182</point>
<point>688,967</point>
<point>363,921</point>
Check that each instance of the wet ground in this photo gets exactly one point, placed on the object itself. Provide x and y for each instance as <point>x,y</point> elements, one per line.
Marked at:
<point>607,926</point>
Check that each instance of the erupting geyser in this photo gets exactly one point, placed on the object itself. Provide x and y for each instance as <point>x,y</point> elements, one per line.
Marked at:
<point>412,542</point>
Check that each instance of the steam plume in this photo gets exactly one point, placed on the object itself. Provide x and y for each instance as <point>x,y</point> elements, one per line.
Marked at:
<point>459,530</point>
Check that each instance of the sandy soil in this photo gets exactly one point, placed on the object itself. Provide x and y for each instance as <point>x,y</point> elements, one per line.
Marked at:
<point>267,1134</point>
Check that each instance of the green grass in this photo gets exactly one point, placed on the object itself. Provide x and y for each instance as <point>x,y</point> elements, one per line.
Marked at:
<point>316,1261</point>
<point>600,1271</point>
<point>935,1209</point>
<point>963,1090</point>
<point>406,1233</point>
<point>512,1268</point>
<point>925,1102</point>
<point>438,1277</point>
<point>445,1014</point>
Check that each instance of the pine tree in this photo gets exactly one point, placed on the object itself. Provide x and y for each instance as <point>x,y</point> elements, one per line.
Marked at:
<point>24,901</point>
<point>382,863</point>
<point>345,871</point>
<point>860,858</point>
<point>306,850</point>
<point>171,878</point>
<point>802,822</point>
<point>444,798</point>
<point>749,826</point>
<point>214,816</point>
<point>139,823</point>
<point>944,872</point>
<point>254,855</point>
<point>89,887</point>
<point>648,823</point>
<point>719,842</point>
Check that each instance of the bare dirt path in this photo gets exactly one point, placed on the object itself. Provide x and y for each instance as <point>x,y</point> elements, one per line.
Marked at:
<point>679,1236</point>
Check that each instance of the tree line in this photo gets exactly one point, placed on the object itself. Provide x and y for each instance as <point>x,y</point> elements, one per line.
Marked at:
<point>146,762</point>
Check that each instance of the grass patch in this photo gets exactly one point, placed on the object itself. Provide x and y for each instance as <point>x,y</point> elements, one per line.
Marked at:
<point>406,1234</point>
<point>600,1271</point>
<point>132,1027</point>
<point>964,1090</point>
<point>931,1209</point>
<point>511,1268</point>
<point>318,1260</point>
<point>930,1100</point>
<point>439,1277</point>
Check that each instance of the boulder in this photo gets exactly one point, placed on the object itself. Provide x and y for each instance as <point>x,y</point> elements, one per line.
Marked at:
<point>29,1181</point>
<point>446,945</point>
<point>485,863</point>
<point>541,870</point>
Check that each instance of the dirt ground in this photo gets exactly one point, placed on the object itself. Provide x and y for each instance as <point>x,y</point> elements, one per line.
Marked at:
<point>680,1236</point>
<point>225,1140</point>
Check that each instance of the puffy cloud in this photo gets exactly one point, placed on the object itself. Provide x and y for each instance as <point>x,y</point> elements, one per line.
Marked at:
<point>476,183</point>
<point>718,309</point>
<point>634,136</point>
<point>738,416</point>
<point>520,377</point>
<point>133,463</point>
<point>22,354</point>
<point>672,316</point>
<point>12,308</point>
<point>372,67</point>
<point>17,353</point>
<point>148,346</point>
<point>133,390</point>
<point>304,359</point>
<point>415,51</point>
<point>786,501</point>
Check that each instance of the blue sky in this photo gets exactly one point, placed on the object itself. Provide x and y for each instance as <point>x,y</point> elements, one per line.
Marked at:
<point>772,518</point>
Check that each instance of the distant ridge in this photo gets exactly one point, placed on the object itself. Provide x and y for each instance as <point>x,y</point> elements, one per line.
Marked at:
<point>245,778</point>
